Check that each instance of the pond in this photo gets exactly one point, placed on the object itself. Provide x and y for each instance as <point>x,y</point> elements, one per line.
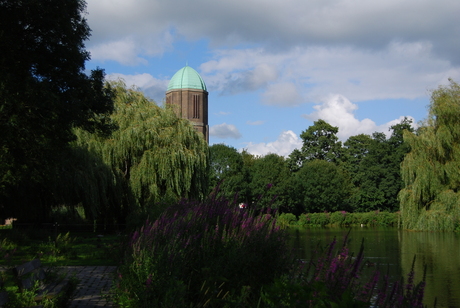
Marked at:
<point>394,249</point>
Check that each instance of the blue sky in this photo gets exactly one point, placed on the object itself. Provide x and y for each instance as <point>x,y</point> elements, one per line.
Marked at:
<point>272,68</point>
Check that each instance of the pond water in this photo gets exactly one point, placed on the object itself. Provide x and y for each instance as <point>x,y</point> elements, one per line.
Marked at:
<point>394,249</point>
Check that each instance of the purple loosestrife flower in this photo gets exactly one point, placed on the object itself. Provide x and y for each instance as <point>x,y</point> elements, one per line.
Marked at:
<point>420,294</point>
<point>343,255</point>
<point>410,282</point>
<point>369,287</point>
<point>269,185</point>
<point>148,283</point>
<point>333,267</point>
<point>134,237</point>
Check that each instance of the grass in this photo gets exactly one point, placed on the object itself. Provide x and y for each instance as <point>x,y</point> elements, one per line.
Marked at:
<point>58,249</point>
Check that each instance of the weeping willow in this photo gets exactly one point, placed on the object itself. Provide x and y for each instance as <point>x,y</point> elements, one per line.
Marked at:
<point>156,155</point>
<point>430,199</point>
<point>82,178</point>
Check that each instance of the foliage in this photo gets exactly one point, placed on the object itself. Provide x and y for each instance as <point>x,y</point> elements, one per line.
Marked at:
<point>82,180</point>
<point>374,166</point>
<point>153,155</point>
<point>314,219</point>
<point>200,253</point>
<point>270,182</point>
<point>58,248</point>
<point>44,93</point>
<point>227,170</point>
<point>319,142</point>
<point>286,219</point>
<point>339,218</point>
<point>26,298</point>
<point>430,198</point>
<point>321,186</point>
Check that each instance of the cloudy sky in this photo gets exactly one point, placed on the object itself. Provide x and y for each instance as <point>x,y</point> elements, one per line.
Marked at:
<point>272,68</point>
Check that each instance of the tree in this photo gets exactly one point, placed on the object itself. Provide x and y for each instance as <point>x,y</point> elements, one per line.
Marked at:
<point>373,164</point>
<point>270,182</point>
<point>322,186</point>
<point>228,173</point>
<point>158,156</point>
<point>356,149</point>
<point>44,93</point>
<point>430,198</point>
<point>319,142</point>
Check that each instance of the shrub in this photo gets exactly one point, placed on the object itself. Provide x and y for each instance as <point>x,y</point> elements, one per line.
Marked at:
<point>197,253</point>
<point>314,219</point>
<point>286,220</point>
<point>342,218</point>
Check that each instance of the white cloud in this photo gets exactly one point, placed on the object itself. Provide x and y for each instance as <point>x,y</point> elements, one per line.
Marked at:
<point>287,141</point>
<point>307,74</point>
<point>281,25</point>
<point>282,94</point>
<point>152,87</point>
<point>224,131</point>
<point>338,111</point>
<point>123,51</point>
<point>299,50</point>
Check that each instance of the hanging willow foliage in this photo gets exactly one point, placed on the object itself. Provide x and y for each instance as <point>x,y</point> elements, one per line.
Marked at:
<point>430,199</point>
<point>159,156</point>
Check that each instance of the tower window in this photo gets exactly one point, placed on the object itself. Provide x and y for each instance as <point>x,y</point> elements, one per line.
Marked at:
<point>196,106</point>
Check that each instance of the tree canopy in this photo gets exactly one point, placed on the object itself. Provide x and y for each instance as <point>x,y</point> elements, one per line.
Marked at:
<point>270,182</point>
<point>44,94</point>
<point>227,172</point>
<point>430,198</point>
<point>322,186</point>
<point>320,141</point>
<point>373,163</point>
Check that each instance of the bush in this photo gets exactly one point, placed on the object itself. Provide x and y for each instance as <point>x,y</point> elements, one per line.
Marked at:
<point>197,253</point>
<point>314,219</point>
<point>286,220</point>
<point>343,218</point>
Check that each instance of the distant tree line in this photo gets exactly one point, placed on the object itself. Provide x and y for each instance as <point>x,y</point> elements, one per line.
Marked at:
<point>363,174</point>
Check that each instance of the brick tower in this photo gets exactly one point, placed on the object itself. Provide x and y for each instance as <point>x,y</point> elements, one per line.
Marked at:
<point>188,95</point>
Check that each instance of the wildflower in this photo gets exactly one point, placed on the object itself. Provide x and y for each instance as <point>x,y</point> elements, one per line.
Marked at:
<point>148,283</point>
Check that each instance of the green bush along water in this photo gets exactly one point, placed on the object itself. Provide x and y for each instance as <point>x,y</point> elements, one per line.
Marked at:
<point>339,218</point>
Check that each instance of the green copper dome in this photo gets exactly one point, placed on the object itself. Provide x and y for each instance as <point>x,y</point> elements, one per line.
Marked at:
<point>186,78</point>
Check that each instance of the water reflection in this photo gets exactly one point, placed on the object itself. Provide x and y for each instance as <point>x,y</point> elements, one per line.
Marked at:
<point>440,252</point>
<point>393,249</point>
